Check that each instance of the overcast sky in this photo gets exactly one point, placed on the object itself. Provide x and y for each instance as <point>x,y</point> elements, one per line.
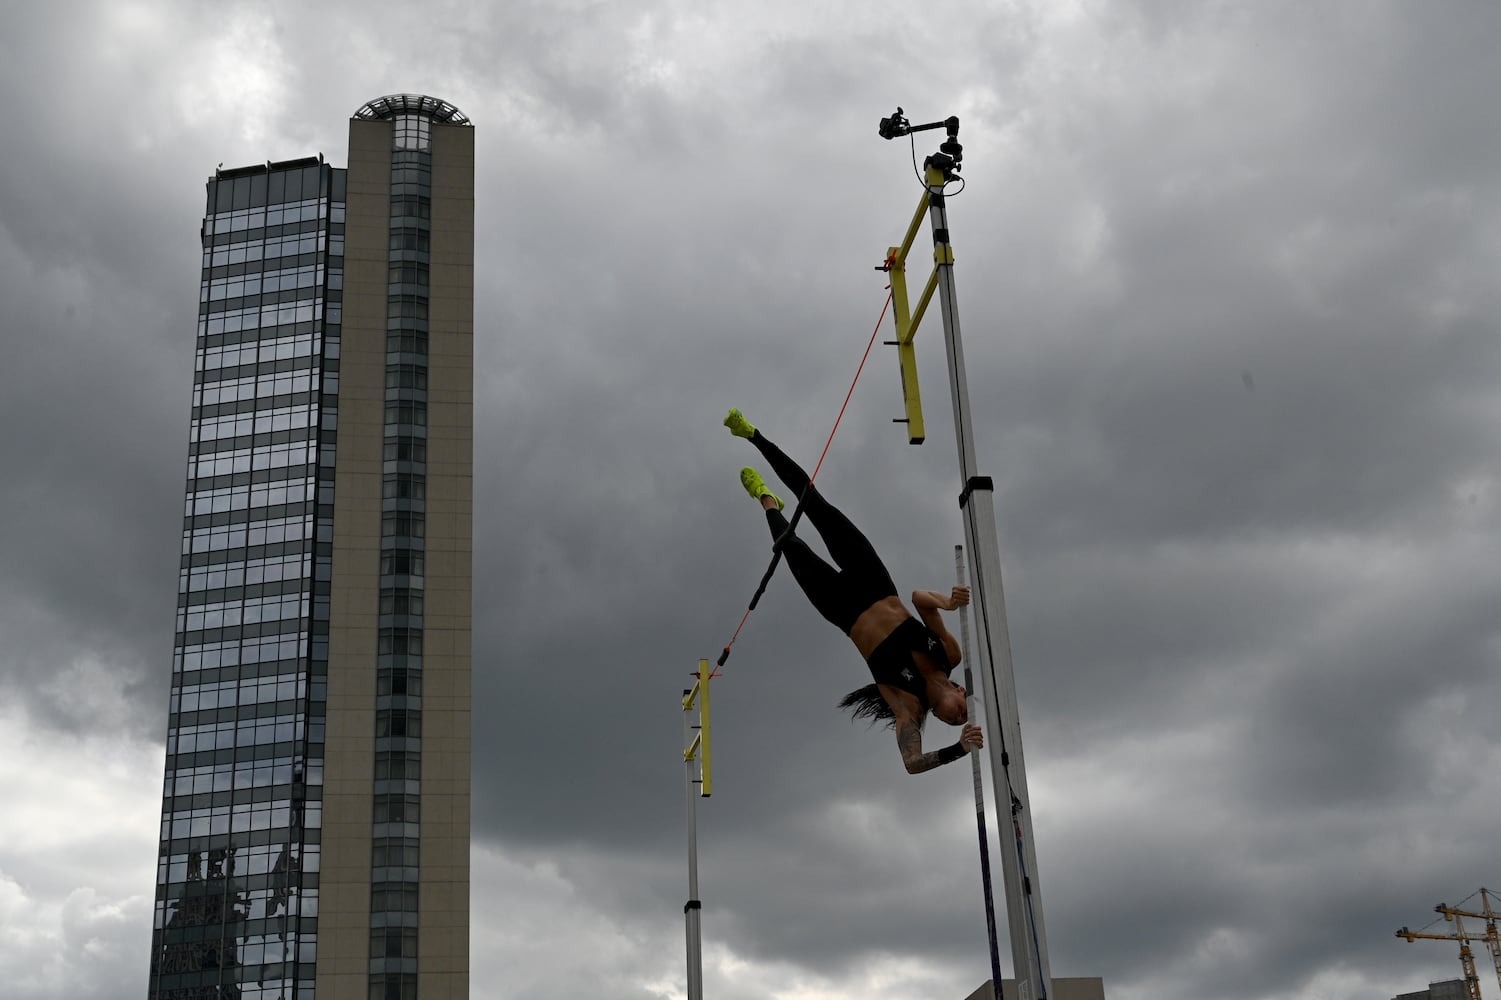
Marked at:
<point>1228,277</point>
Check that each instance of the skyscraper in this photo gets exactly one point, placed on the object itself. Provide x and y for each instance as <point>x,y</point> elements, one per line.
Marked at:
<point>315,810</point>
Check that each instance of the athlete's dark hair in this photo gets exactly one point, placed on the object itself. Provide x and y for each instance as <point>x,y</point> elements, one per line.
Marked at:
<point>867,703</point>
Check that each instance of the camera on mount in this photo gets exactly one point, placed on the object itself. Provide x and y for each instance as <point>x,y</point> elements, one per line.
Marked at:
<point>950,154</point>
<point>894,126</point>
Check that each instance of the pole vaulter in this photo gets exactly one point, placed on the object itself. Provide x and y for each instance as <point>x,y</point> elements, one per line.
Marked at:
<point>910,657</point>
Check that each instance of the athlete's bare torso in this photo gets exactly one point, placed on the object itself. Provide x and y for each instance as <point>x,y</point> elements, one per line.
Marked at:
<point>876,623</point>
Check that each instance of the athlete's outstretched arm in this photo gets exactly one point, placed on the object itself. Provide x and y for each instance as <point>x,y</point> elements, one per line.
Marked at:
<point>909,741</point>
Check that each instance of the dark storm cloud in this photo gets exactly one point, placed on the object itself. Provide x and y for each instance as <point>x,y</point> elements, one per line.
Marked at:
<point>95,388</point>
<point>1227,280</point>
<point>1302,545</point>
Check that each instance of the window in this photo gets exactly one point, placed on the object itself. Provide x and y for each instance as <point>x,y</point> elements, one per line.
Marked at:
<point>398,766</point>
<point>398,681</point>
<point>404,487</point>
<point>410,238</point>
<point>400,641</point>
<point>390,897</point>
<point>393,942</point>
<point>411,206</point>
<point>406,342</point>
<point>400,601</point>
<point>408,274</point>
<point>394,562</point>
<point>409,169</point>
<point>397,809</point>
<point>398,722</point>
<point>406,307</point>
<point>391,985</point>
<point>405,411</point>
<point>406,376</point>
<point>394,852</point>
<point>412,132</point>
<point>406,449</point>
<point>401,524</point>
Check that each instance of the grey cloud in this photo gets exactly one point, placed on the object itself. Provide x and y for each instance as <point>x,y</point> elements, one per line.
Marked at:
<point>1261,614</point>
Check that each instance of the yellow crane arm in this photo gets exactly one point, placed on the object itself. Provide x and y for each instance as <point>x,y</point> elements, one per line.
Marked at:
<point>1461,935</point>
<point>1450,913</point>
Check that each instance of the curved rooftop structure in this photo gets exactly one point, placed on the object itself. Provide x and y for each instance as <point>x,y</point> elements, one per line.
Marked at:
<point>394,105</point>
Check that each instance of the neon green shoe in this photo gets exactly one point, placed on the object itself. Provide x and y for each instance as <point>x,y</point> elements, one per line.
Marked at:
<point>738,425</point>
<point>756,486</point>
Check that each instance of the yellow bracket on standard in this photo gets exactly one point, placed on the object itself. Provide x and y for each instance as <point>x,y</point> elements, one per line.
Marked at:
<point>700,745</point>
<point>907,319</point>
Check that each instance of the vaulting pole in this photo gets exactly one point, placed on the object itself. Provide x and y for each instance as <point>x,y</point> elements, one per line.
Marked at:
<point>974,761</point>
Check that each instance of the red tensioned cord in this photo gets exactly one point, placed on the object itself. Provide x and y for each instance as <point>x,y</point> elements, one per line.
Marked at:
<point>811,479</point>
<point>871,343</point>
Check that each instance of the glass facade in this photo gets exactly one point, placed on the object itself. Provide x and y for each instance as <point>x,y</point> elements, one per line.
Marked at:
<point>237,880</point>
<point>396,846</point>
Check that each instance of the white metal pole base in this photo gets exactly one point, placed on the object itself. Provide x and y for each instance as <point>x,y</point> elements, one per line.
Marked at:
<point>1008,769</point>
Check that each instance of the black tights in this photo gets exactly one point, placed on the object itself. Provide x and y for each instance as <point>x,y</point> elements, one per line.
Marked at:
<point>840,595</point>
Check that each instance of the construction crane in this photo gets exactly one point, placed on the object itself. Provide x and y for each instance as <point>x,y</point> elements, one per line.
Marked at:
<point>1487,913</point>
<point>1466,957</point>
<point>1464,937</point>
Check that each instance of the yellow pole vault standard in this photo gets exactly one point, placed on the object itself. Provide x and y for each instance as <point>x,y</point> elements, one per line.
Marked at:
<point>908,319</point>
<point>697,749</point>
<point>901,311</point>
<point>700,745</point>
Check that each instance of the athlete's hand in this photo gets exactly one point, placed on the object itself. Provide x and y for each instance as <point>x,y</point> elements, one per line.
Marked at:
<point>970,737</point>
<point>958,598</point>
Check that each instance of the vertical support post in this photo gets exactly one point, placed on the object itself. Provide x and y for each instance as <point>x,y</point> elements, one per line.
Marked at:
<point>693,908</point>
<point>696,747</point>
<point>1466,956</point>
<point>1008,769</point>
<point>974,761</point>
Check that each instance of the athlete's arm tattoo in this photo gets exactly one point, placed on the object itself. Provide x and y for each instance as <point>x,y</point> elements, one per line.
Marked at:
<point>909,741</point>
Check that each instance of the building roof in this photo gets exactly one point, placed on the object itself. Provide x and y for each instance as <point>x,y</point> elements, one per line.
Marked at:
<point>409,104</point>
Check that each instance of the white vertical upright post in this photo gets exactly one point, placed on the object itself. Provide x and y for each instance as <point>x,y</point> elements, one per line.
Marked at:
<point>695,751</point>
<point>1008,769</point>
<point>692,908</point>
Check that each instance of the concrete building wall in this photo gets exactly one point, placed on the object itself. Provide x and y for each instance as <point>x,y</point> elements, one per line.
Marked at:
<point>344,885</point>
<point>443,936</point>
<point>345,959</point>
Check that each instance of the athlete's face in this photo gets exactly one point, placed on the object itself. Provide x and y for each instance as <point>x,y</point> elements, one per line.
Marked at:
<point>952,706</point>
